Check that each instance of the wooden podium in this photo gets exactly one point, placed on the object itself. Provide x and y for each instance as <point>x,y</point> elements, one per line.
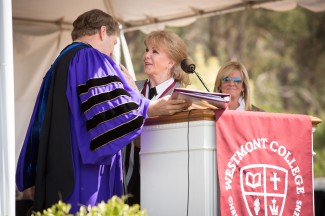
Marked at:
<point>178,164</point>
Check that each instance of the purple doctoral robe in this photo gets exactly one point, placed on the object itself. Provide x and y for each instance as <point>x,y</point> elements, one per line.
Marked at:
<point>105,123</point>
<point>104,114</point>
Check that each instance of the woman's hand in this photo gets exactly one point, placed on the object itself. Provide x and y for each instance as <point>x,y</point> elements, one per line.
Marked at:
<point>167,106</point>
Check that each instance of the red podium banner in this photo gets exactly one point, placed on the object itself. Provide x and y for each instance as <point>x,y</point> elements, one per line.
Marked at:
<point>264,163</point>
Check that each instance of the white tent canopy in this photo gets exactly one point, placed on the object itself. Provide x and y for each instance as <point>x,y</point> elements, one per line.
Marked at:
<point>41,29</point>
<point>143,13</point>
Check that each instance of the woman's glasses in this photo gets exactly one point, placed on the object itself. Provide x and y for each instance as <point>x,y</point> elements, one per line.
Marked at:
<point>236,80</point>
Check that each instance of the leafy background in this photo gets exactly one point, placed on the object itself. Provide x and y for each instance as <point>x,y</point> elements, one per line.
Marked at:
<point>284,53</point>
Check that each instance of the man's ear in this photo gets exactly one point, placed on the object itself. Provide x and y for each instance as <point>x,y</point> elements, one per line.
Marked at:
<point>102,32</point>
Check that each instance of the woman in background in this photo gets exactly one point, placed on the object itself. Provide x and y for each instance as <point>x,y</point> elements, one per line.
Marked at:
<point>233,79</point>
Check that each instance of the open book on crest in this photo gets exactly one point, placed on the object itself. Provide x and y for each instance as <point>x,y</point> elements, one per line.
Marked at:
<point>202,99</point>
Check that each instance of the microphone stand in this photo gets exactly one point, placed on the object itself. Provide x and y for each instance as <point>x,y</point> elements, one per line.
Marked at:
<point>189,67</point>
<point>198,75</point>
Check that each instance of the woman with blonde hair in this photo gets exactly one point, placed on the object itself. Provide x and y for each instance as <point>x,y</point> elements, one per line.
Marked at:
<point>164,51</point>
<point>233,79</point>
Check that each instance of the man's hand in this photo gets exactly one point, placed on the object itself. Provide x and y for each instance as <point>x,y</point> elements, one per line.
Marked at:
<point>129,78</point>
<point>167,106</point>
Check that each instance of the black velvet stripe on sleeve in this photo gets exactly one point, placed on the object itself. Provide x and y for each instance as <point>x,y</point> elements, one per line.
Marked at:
<point>92,83</point>
<point>100,98</point>
<point>110,114</point>
<point>116,133</point>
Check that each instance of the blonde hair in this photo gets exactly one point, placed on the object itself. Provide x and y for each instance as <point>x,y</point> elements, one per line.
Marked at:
<point>225,70</point>
<point>176,50</point>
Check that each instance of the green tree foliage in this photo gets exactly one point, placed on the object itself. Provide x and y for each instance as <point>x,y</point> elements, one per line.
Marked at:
<point>284,53</point>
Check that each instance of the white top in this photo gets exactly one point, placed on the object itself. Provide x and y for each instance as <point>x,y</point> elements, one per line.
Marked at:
<point>241,106</point>
<point>161,88</point>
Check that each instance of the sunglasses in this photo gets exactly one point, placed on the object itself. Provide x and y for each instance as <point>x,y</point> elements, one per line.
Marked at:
<point>236,80</point>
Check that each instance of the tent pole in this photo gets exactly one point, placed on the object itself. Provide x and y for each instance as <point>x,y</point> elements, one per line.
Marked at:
<point>7,112</point>
<point>126,54</point>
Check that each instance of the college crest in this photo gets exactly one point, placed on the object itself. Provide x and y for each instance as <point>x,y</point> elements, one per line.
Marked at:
<point>264,188</point>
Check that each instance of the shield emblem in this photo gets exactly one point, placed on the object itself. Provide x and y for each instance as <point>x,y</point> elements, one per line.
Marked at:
<point>264,188</point>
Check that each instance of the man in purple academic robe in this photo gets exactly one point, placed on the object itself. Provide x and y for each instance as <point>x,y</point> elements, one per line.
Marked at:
<point>87,110</point>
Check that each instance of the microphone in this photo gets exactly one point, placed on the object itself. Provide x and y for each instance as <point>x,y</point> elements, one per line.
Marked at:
<point>189,67</point>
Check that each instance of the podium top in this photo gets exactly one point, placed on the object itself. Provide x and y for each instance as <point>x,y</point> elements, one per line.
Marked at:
<point>197,115</point>
<point>192,115</point>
